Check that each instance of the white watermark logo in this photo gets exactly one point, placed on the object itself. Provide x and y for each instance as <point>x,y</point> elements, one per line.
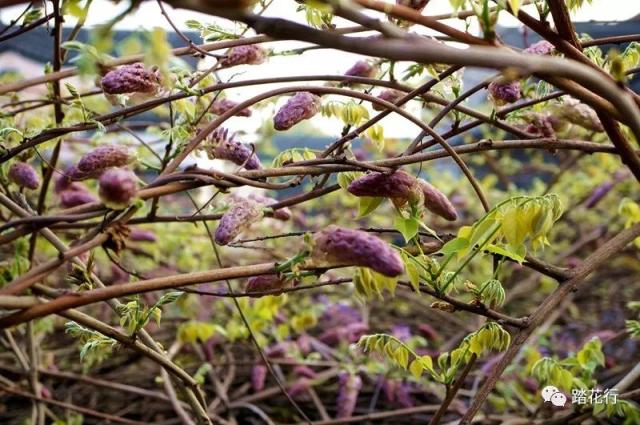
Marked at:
<point>553,395</point>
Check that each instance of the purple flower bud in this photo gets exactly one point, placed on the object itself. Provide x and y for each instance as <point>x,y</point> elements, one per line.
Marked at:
<point>258,376</point>
<point>301,106</point>
<point>72,198</point>
<point>436,202</point>
<point>264,283</point>
<point>238,218</point>
<point>251,54</point>
<point>118,187</point>
<point>542,47</point>
<point>283,214</point>
<point>305,372</point>
<point>304,344</point>
<point>349,388</point>
<point>389,95</point>
<point>339,246</point>
<point>503,93</point>
<point>24,175</point>
<point>142,235</point>
<point>389,389</point>
<point>599,193</point>
<point>299,388</point>
<point>413,4</point>
<point>134,78</point>
<point>221,146</point>
<point>545,124</point>
<point>402,332</point>
<point>364,69</point>
<point>221,106</point>
<point>398,186</point>
<point>101,158</point>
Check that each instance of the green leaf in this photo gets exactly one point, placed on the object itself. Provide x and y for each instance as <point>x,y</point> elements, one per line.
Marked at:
<point>401,355</point>
<point>414,274</point>
<point>367,205</point>
<point>408,227</point>
<point>416,368</point>
<point>516,256</point>
<point>454,246</point>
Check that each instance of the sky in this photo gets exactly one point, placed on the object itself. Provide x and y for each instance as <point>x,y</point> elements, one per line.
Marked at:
<point>313,62</point>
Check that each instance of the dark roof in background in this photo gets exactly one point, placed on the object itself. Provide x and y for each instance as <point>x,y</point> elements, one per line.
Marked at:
<point>36,44</point>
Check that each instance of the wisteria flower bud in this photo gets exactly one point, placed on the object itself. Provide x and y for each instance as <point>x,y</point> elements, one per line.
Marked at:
<point>305,372</point>
<point>579,114</point>
<point>223,146</point>
<point>238,218</point>
<point>251,54</point>
<point>118,187</point>
<point>142,235</point>
<point>72,198</point>
<point>301,106</point>
<point>134,78</point>
<point>103,157</point>
<point>264,283</point>
<point>542,47</point>
<point>363,68</point>
<point>339,246</point>
<point>399,186</point>
<point>413,4</point>
<point>436,202</point>
<point>389,95</point>
<point>24,175</point>
<point>503,93</point>
<point>221,106</point>
<point>349,389</point>
<point>258,377</point>
<point>544,124</point>
<point>283,214</point>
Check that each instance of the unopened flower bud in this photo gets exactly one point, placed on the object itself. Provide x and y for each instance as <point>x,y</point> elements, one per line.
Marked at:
<point>363,68</point>
<point>301,106</point>
<point>238,218</point>
<point>399,186</point>
<point>339,246</point>
<point>142,235</point>
<point>24,175</point>
<point>258,376</point>
<point>305,372</point>
<point>134,78</point>
<point>118,187</point>
<point>389,95</point>
<point>283,214</point>
<point>542,47</point>
<point>436,202</point>
<point>223,146</point>
<point>264,283</point>
<point>221,106</point>
<point>103,157</point>
<point>503,93</point>
<point>579,114</point>
<point>73,197</point>
<point>244,55</point>
<point>349,389</point>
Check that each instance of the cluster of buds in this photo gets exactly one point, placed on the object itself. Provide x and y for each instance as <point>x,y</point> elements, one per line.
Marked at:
<point>134,78</point>
<point>94,163</point>
<point>76,195</point>
<point>503,93</point>
<point>118,187</point>
<point>388,95</point>
<point>24,175</point>
<point>339,246</point>
<point>399,186</point>
<point>238,218</point>
<point>578,113</point>
<point>221,106</point>
<point>364,69</point>
<point>541,48</point>
<point>301,106</point>
<point>223,146</point>
<point>265,283</point>
<point>244,55</point>
<point>349,388</point>
<point>436,202</point>
<point>544,124</point>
